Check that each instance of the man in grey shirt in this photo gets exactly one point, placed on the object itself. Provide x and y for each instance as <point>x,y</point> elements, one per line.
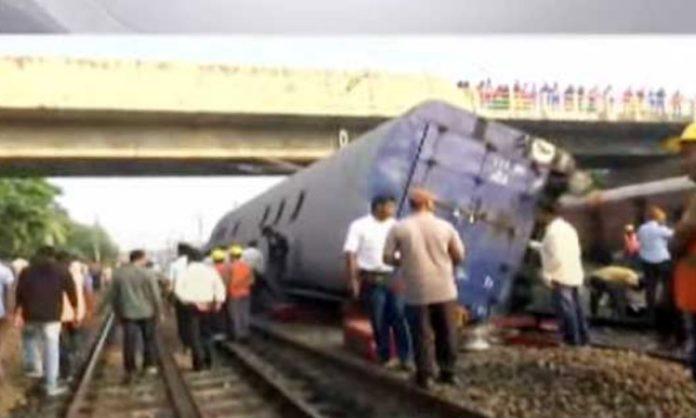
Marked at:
<point>135,297</point>
<point>427,248</point>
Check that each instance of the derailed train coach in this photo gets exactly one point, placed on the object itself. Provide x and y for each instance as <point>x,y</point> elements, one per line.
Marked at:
<point>487,177</point>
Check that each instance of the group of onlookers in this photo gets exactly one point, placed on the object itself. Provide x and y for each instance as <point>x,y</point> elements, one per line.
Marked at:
<point>213,296</point>
<point>552,97</point>
<point>419,303</point>
<point>53,299</point>
<point>210,295</point>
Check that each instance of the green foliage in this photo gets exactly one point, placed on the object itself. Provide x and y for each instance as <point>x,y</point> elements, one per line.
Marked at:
<point>30,217</point>
<point>90,242</point>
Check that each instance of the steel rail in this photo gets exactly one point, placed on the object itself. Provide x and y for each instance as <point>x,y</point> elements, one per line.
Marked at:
<point>80,393</point>
<point>256,367</point>
<point>180,396</point>
<point>360,370</point>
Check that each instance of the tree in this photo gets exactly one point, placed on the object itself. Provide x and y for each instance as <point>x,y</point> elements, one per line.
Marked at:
<point>90,242</point>
<point>29,216</point>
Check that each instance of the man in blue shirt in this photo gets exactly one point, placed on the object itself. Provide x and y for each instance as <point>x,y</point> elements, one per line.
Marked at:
<point>654,237</point>
<point>6,280</point>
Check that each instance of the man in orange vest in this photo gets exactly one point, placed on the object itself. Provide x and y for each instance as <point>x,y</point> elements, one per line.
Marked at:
<point>241,278</point>
<point>684,242</point>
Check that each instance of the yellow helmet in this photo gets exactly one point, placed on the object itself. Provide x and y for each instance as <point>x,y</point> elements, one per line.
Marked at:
<point>689,134</point>
<point>673,144</point>
<point>218,255</point>
<point>236,250</point>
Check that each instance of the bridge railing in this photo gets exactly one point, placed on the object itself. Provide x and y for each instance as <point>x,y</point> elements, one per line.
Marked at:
<point>511,105</point>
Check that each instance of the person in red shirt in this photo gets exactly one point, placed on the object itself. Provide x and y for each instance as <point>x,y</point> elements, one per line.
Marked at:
<point>241,278</point>
<point>631,243</point>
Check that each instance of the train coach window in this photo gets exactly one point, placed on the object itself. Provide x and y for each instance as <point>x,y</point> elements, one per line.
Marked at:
<point>298,206</point>
<point>236,228</point>
<point>219,235</point>
<point>265,215</point>
<point>279,214</point>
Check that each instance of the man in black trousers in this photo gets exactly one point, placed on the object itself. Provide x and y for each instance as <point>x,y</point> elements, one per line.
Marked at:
<point>135,297</point>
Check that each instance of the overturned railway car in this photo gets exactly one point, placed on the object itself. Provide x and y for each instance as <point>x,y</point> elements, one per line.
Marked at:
<point>488,178</point>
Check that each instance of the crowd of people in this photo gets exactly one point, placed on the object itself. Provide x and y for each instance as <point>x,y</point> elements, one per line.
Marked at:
<point>210,293</point>
<point>553,98</point>
<point>53,299</point>
<point>401,270</point>
<point>418,305</point>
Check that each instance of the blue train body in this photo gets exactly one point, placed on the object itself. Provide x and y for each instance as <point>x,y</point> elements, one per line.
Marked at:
<point>487,177</point>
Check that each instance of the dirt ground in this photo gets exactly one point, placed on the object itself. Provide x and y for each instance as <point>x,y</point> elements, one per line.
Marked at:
<point>14,384</point>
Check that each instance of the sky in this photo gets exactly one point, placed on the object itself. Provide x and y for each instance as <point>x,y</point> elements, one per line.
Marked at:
<point>151,212</point>
<point>348,16</point>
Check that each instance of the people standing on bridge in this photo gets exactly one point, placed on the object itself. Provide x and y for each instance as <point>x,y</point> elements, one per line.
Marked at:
<point>562,271</point>
<point>654,238</point>
<point>176,269</point>
<point>684,243</point>
<point>241,279</point>
<point>6,280</point>
<point>39,305</point>
<point>426,249</point>
<point>72,319</point>
<point>135,297</point>
<point>373,280</point>
<point>202,294</point>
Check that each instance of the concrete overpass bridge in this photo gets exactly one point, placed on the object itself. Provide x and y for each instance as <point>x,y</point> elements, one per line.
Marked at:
<point>61,116</point>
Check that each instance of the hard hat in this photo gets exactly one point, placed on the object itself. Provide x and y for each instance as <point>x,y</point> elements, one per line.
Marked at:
<point>218,255</point>
<point>236,250</point>
<point>689,134</point>
<point>674,144</point>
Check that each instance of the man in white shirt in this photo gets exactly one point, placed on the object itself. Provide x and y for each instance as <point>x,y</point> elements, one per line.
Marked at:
<point>176,269</point>
<point>562,271</point>
<point>654,238</point>
<point>371,279</point>
<point>201,292</point>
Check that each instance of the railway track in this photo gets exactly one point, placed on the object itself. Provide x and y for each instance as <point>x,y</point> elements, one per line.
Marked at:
<point>271,376</point>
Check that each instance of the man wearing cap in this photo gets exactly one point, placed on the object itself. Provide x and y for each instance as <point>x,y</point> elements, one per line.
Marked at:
<point>370,278</point>
<point>684,242</point>
<point>241,278</point>
<point>427,249</point>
